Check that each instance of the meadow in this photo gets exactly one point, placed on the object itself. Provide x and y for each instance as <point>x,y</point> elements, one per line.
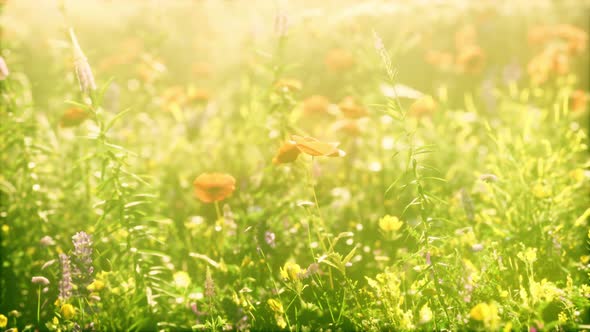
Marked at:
<point>304,165</point>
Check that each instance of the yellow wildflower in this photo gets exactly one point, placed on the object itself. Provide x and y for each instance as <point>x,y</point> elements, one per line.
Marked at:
<point>541,191</point>
<point>486,313</point>
<point>390,224</point>
<point>96,286</point>
<point>275,306</point>
<point>68,311</point>
<point>291,271</point>
<point>528,256</point>
<point>3,321</point>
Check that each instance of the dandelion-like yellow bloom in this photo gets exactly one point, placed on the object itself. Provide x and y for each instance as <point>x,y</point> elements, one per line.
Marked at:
<point>390,224</point>
<point>3,321</point>
<point>68,311</point>
<point>291,271</point>
<point>486,313</point>
<point>96,286</point>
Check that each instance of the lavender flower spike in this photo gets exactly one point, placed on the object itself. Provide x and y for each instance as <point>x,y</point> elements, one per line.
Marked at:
<point>82,268</point>
<point>65,284</point>
<point>83,70</point>
<point>83,251</point>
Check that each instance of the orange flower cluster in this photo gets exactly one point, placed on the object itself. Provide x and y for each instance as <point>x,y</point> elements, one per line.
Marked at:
<point>73,117</point>
<point>291,149</point>
<point>550,62</point>
<point>559,44</point>
<point>571,39</point>
<point>579,101</point>
<point>469,57</point>
<point>214,187</point>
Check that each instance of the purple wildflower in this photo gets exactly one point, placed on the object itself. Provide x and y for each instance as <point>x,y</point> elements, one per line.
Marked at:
<point>82,259</point>
<point>65,284</point>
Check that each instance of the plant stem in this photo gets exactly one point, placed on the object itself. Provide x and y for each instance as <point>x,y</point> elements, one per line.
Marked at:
<point>39,305</point>
<point>217,210</point>
<point>315,197</point>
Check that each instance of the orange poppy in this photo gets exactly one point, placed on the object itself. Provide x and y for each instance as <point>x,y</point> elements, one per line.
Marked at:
<point>471,59</point>
<point>316,104</point>
<point>578,101</point>
<point>351,109</point>
<point>314,147</point>
<point>575,37</point>
<point>73,117</point>
<point>423,107</point>
<point>214,187</point>
<point>550,61</point>
<point>287,153</point>
<point>339,60</point>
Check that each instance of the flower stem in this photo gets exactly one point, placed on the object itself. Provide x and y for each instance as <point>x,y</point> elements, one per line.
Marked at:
<point>217,210</point>
<point>39,305</point>
<point>311,184</point>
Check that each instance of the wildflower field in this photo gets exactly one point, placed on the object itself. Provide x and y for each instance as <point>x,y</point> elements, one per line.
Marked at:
<point>294,165</point>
